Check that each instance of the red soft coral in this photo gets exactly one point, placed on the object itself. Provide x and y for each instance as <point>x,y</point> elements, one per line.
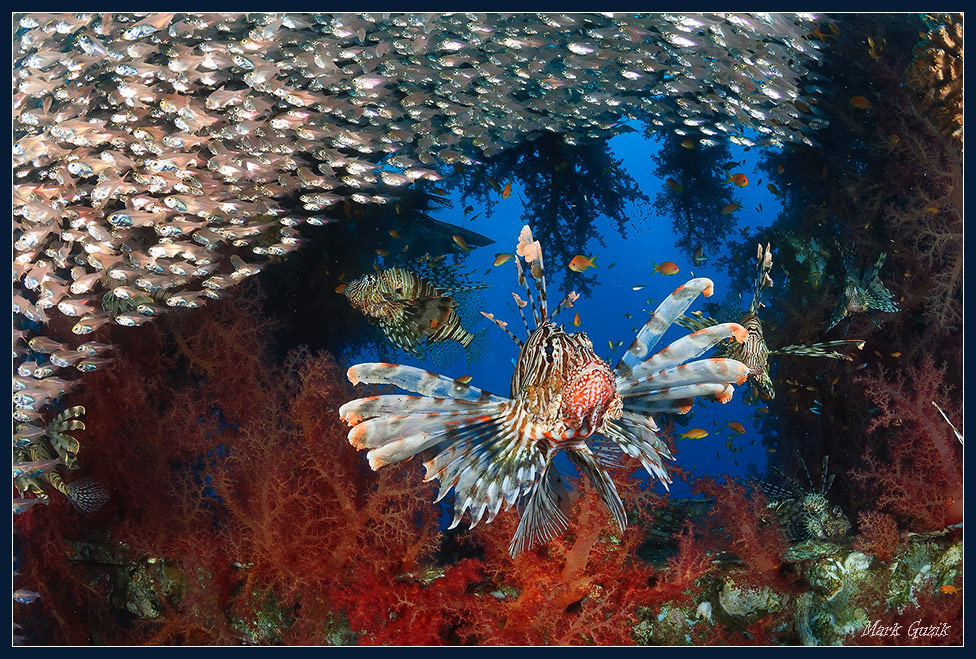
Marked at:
<point>914,468</point>
<point>878,534</point>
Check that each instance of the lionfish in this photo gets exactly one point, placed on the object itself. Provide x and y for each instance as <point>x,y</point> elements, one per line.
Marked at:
<point>804,512</point>
<point>866,293</point>
<point>494,450</point>
<point>754,352</point>
<point>411,309</point>
<point>37,453</point>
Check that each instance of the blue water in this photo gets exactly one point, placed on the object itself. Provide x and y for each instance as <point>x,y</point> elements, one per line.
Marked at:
<point>602,311</point>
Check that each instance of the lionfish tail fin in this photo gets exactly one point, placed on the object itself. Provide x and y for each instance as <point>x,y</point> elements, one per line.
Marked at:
<point>545,513</point>
<point>477,346</point>
<point>87,494</point>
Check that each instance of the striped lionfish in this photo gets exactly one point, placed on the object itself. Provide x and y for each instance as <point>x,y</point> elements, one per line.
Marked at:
<point>804,512</point>
<point>410,309</point>
<point>494,450</point>
<point>754,352</point>
<point>866,293</point>
<point>37,453</point>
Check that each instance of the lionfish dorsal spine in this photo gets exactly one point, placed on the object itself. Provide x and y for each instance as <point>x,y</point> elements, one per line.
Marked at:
<point>764,264</point>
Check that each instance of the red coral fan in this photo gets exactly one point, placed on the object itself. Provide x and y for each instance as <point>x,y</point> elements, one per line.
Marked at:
<point>878,534</point>
<point>743,525</point>
<point>914,468</point>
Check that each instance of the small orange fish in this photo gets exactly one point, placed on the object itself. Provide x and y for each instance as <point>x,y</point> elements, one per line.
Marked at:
<point>340,288</point>
<point>772,188</point>
<point>860,102</point>
<point>739,179</point>
<point>576,320</point>
<point>674,185</point>
<point>501,259</point>
<point>763,410</point>
<point>893,139</point>
<point>688,144</point>
<point>463,379</point>
<point>666,268</point>
<point>460,242</point>
<point>694,433</point>
<point>507,191</point>
<point>896,354</point>
<point>780,169</point>
<point>731,208</point>
<point>394,234</point>
<point>949,589</point>
<point>382,252</point>
<point>581,263</point>
<point>736,426</point>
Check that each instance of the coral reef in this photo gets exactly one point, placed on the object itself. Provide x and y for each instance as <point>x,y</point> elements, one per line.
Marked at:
<point>936,75</point>
<point>913,466</point>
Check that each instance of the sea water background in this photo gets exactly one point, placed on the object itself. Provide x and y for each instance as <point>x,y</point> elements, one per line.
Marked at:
<point>602,312</point>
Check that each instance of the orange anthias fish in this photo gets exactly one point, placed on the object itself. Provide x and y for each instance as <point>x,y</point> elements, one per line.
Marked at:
<point>731,208</point>
<point>576,320</point>
<point>694,433</point>
<point>507,191</point>
<point>460,242</point>
<point>739,179</point>
<point>949,589</point>
<point>674,185</point>
<point>736,426</point>
<point>501,259</point>
<point>860,103</point>
<point>666,268</point>
<point>581,263</point>
<point>688,144</point>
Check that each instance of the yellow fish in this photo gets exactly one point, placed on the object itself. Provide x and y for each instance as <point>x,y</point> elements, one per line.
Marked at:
<point>949,589</point>
<point>688,144</point>
<point>581,263</point>
<point>464,379</point>
<point>501,259</point>
<point>694,433</point>
<point>576,320</point>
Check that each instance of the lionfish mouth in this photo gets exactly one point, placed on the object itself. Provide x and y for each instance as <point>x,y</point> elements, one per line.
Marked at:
<point>591,391</point>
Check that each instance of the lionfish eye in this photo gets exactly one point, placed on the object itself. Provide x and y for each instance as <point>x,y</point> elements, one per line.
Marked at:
<point>549,350</point>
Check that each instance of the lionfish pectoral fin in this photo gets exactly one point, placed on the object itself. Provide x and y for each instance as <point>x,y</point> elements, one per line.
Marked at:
<point>818,349</point>
<point>425,315</point>
<point>588,465</point>
<point>546,511</point>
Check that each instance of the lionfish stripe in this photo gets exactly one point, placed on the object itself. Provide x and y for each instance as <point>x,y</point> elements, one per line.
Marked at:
<point>659,322</point>
<point>503,326</point>
<point>419,381</point>
<point>384,430</point>
<point>546,512</point>
<point>819,349</point>
<point>698,372</point>
<point>686,348</point>
<point>587,464</point>
<point>634,398</point>
<point>360,409</point>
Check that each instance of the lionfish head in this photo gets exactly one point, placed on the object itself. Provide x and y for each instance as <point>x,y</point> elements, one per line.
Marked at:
<point>565,381</point>
<point>357,290</point>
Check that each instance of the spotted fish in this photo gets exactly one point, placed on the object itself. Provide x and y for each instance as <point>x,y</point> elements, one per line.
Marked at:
<point>494,451</point>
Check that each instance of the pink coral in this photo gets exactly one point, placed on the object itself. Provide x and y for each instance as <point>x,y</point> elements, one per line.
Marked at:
<point>914,468</point>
